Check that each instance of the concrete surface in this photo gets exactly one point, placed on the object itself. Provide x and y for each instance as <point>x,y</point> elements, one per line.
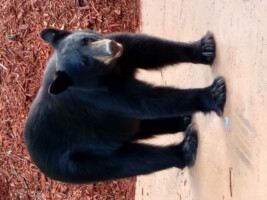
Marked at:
<point>231,162</point>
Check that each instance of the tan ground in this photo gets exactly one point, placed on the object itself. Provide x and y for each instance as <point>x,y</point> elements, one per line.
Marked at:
<point>231,164</point>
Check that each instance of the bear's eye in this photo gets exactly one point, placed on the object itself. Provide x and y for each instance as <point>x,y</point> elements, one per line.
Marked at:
<point>85,60</point>
<point>85,41</point>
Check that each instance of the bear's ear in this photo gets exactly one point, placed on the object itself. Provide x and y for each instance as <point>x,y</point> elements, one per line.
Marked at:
<point>53,36</point>
<point>61,82</point>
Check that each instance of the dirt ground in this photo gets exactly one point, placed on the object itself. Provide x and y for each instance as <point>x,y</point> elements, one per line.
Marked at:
<point>232,160</point>
<point>22,59</point>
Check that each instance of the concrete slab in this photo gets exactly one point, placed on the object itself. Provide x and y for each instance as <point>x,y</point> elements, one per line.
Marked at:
<point>232,159</point>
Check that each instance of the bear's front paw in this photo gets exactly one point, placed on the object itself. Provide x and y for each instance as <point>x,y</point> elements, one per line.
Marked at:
<point>208,48</point>
<point>189,145</point>
<point>218,92</point>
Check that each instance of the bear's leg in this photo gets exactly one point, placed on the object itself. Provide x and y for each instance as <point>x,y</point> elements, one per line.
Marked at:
<point>149,128</point>
<point>143,51</point>
<point>139,100</point>
<point>130,160</point>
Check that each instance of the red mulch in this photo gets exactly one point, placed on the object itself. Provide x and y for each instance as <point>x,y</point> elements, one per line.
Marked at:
<point>22,60</point>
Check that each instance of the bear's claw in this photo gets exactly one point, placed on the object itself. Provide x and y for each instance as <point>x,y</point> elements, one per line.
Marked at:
<point>218,90</point>
<point>208,48</point>
<point>190,144</point>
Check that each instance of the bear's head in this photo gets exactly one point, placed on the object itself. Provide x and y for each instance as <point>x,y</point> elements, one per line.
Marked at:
<point>80,55</point>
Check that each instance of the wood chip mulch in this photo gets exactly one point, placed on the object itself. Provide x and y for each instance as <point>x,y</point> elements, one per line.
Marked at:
<point>23,56</point>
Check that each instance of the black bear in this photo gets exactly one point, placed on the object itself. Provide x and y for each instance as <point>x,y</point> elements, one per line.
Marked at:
<point>90,111</point>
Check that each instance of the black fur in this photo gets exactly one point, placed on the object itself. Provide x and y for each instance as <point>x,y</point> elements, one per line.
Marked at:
<point>90,110</point>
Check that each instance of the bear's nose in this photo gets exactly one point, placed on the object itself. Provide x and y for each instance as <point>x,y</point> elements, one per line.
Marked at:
<point>106,50</point>
<point>115,49</point>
